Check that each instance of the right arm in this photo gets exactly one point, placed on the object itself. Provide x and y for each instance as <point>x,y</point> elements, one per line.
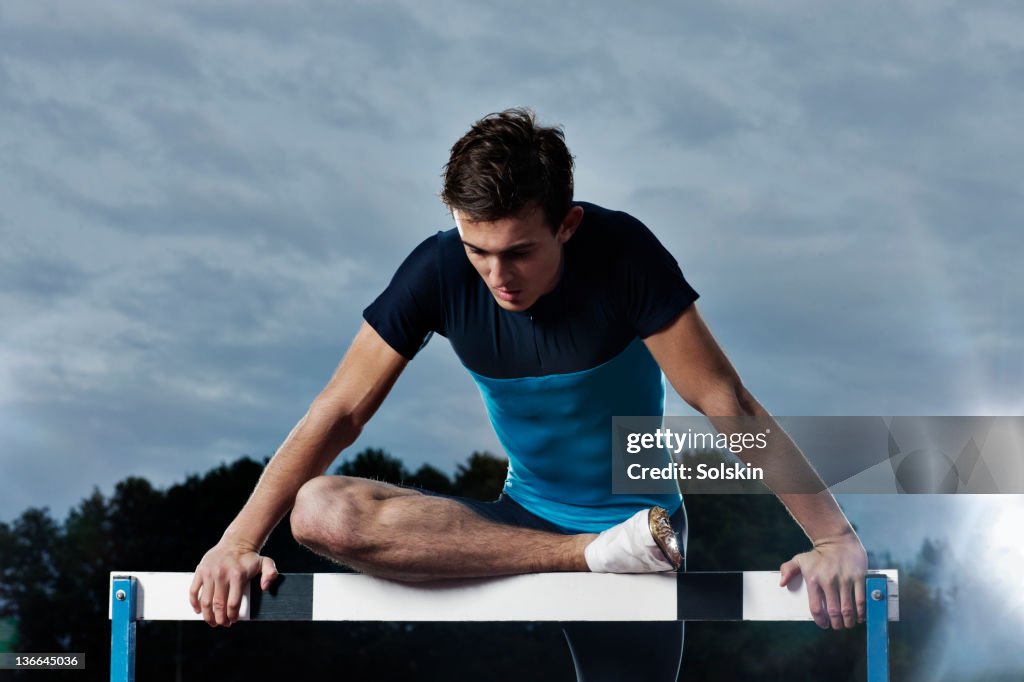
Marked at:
<point>332,423</point>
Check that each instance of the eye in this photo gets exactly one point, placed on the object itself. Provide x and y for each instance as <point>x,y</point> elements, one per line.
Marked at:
<point>475,252</point>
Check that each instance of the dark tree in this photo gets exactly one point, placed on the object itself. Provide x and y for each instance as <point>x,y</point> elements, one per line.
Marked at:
<point>482,477</point>
<point>28,588</point>
<point>376,464</point>
<point>432,479</point>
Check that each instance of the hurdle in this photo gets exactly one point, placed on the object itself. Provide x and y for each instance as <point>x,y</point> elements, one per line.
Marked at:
<point>692,596</point>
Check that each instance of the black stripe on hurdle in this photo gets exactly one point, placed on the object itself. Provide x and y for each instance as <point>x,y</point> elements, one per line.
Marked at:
<point>709,596</point>
<point>289,598</point>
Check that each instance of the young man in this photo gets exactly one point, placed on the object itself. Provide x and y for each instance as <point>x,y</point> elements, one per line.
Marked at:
<point>565,314</point>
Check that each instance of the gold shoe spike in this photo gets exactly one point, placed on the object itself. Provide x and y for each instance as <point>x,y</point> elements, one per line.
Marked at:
<point>665,536</point>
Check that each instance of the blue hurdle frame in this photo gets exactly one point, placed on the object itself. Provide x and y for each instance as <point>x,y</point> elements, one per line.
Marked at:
<point>877,618</point>
<point>123,628</point>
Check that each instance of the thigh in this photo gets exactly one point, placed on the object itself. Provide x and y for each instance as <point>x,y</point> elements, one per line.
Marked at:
<point>350,495</point>
<point>503,510</point>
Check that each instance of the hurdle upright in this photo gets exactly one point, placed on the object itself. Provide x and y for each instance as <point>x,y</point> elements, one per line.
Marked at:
<point>692,596</point>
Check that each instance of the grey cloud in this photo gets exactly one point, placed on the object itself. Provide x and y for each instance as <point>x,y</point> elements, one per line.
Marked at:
<point>348,63</point>
<point>900,108</point>
<point>72,42</point>
<point>188,207</point>
<point>201,298</point>
<point>695,117</point>
<point>189,140</point>
<point>973,212</point>
<point>40,278</point>
<point>390,35</point>
<point>82,130</point>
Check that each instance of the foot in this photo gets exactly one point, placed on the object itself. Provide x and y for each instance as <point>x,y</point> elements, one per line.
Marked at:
<point>643,543</point>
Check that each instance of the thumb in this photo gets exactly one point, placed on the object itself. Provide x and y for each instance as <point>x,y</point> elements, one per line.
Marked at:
<point>787,571</point>
<point>269,570</point>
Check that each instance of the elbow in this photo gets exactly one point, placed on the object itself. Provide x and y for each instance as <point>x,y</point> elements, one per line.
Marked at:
<point>727,399</point>
<point>748,403</point>
<point>343,426</point>
<point>345,429</point>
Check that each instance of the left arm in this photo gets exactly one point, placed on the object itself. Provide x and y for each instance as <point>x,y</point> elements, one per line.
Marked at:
<point>834,569</point>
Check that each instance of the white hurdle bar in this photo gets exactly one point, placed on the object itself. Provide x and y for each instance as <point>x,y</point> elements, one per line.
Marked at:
<point>749,595</point>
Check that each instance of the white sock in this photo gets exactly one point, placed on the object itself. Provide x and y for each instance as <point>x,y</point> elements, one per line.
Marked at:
<point>628,547</point>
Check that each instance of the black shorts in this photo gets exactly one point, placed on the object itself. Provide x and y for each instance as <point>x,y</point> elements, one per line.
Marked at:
<point>603,652</point>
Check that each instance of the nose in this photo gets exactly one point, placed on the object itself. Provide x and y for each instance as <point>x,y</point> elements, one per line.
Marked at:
<point>501,274</point>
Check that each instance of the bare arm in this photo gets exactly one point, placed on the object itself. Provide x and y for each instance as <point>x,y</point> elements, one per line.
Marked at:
<point>700,372</point>
<point>333,422</point>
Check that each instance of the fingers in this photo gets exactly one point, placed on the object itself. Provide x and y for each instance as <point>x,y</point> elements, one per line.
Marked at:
<point>816,602</point>
<point>787,571</point>
<point>860,598</point>
<point>834,604</point>
<point>227,596</point>
<point>220,581</point>
<point>218,595</point>
<point>206,595</point>
<point>848,605</point>
<point>218,598</point>
<point>193,592</point>
<point>834,575</point>
<point>268,569</point>
<point>200,595</point>
<point>844,604</point>
<point>235,588</point>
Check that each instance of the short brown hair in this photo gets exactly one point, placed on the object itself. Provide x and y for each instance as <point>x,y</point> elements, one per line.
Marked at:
<point>504,163</point>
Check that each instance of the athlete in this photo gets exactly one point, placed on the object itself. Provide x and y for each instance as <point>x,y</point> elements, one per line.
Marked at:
<point>565,314</point>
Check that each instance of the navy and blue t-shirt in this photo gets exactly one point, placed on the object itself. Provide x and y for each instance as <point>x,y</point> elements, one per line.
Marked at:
<point>552,376</point>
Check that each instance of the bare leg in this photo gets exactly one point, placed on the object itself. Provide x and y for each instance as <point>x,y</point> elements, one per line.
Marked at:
<point>397,533</point>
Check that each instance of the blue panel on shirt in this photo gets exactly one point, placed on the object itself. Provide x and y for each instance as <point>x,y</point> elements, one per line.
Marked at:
<point>559,428</point>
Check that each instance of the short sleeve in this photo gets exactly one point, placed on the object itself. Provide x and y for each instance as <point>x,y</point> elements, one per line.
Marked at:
<point>654,289</point>
<point>408,311</point>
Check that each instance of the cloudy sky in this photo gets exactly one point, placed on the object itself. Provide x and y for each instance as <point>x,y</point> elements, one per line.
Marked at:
<point>197,199</point>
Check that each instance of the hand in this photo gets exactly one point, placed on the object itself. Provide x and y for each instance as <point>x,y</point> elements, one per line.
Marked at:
<point>221,576</point>
<point>834,573</point>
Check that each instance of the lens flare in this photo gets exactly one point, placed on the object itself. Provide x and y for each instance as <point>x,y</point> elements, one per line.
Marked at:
<point>1004,551</point>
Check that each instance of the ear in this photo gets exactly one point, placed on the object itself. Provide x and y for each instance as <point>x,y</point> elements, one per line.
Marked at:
<point>569,224</point>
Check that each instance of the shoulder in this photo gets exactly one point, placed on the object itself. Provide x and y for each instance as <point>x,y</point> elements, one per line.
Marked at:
<point>617,232</point>
<point>433,257</point>
<point>610,222</point>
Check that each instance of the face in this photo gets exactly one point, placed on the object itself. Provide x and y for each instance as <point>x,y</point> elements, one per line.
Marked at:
<point>519,258</point>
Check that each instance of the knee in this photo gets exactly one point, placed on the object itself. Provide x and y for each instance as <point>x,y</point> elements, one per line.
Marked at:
<point>328,512</point>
